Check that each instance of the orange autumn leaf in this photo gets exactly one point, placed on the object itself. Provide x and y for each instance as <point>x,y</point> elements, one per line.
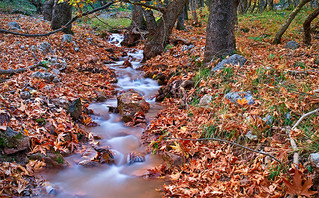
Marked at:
<point>296,188</point>
<point>242,101</point>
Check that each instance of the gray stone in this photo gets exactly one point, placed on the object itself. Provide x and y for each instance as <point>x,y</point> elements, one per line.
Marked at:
<point>187,47</point>
<point>251,136</point>
<point>205,100</point>
<point>67,38</point>
<point>77,49</point>
<point>25,95</point>
<point>232,60</point>
<point>48,77</point>
<point>22,47</point>
<point>13,142</point>
<point>314,161</point>
<point>129,103</point>
<point>234,96</point>
<point>45,48</point>
<point>52,160</point>
<point>292,45</point>
<point>134,157</point>
<point>56,62</point>
<point>89,164</point>
<point>75,109</point>
<point>14,25</point>
<point>268,119</point>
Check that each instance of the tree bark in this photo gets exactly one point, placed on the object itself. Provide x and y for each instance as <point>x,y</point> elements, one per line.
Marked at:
<point>61,15</point>
<point>186,10</point>
<point>157,41</point>
<point>47,10</point>
<point>307,26</point>
<point>37,4</point>
<point>180,21</point>
<point>291,17</point>
<point>193,8</point>
<point>220,31</point>
<point>150,21</point>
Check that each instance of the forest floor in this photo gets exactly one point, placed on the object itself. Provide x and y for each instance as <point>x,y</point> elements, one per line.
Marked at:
<point>284,84</point>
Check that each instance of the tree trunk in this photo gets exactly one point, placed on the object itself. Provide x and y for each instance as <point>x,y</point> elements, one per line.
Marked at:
<point>271,4</point>
<point>220,32</point>
<point>133,34</point>
<point>254,6</point>
<point>291,17</point>
<point>61,14</point>
<point>156,42</point>
<point>186,8</point>
<point>150,21</point>
<point>180,21</point>
<point>47,10</point>
<point>193,8</point>
<point>307,26</point>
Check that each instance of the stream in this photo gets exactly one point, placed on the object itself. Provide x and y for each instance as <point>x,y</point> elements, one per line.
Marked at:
<point>119,179</point>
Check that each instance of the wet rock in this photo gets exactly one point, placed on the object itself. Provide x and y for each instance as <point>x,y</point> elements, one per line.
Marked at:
<point>50,189</point>
<point>250,136</point>
<point>60,102</point>
<point>134,157</point>
<point>104,155</point>
<point>12,142</point>
<point>232,60</point>
<point>292,45</point>
<point>114,58</point>
<point>174,159</point>
<point>48,77</point>
<point>45,48</point>
<point>129,103</point>
<point>161,78</point>
<point>111,50</point>
<point>205,101</point>
<point>89,164</point>
<point>127,64</point>
<point>75,109</point>
<point>234,96</point>
<point>14,25</point>
<point>67,38</point>
<point>52,160</point>
<point>113,109</point>
<point>25,95</point>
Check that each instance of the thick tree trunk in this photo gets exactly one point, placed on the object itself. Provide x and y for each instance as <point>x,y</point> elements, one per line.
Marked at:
<point>47,10</point>
<point>291,17</point>
<point>180,21</point>
<point>61,14</point>
<point>156,42</point>
<point>220,31</point>
<point>307,26</point>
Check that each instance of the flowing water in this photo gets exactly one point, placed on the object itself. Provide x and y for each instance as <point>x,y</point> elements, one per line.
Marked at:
<point>120,179</point>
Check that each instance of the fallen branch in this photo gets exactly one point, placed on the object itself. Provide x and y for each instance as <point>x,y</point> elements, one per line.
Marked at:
<point>14,71</point>
<point>63,27</point>
<point>292,141</point>
<point>235,144</point>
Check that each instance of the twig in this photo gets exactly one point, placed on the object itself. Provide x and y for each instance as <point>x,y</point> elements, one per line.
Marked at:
<point>235,144</point>
<point>292,141</point>
<point>63,27</point>
<point>14,71</point>
<point>160,9</point>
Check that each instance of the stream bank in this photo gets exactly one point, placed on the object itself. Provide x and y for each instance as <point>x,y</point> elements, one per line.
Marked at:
<point>123,178</point>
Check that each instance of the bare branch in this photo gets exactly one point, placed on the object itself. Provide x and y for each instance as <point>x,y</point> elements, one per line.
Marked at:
<point>14,71</point>
<point>160,9</point>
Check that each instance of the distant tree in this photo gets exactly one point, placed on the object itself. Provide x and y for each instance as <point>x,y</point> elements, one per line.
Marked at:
<point>37,4</point>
